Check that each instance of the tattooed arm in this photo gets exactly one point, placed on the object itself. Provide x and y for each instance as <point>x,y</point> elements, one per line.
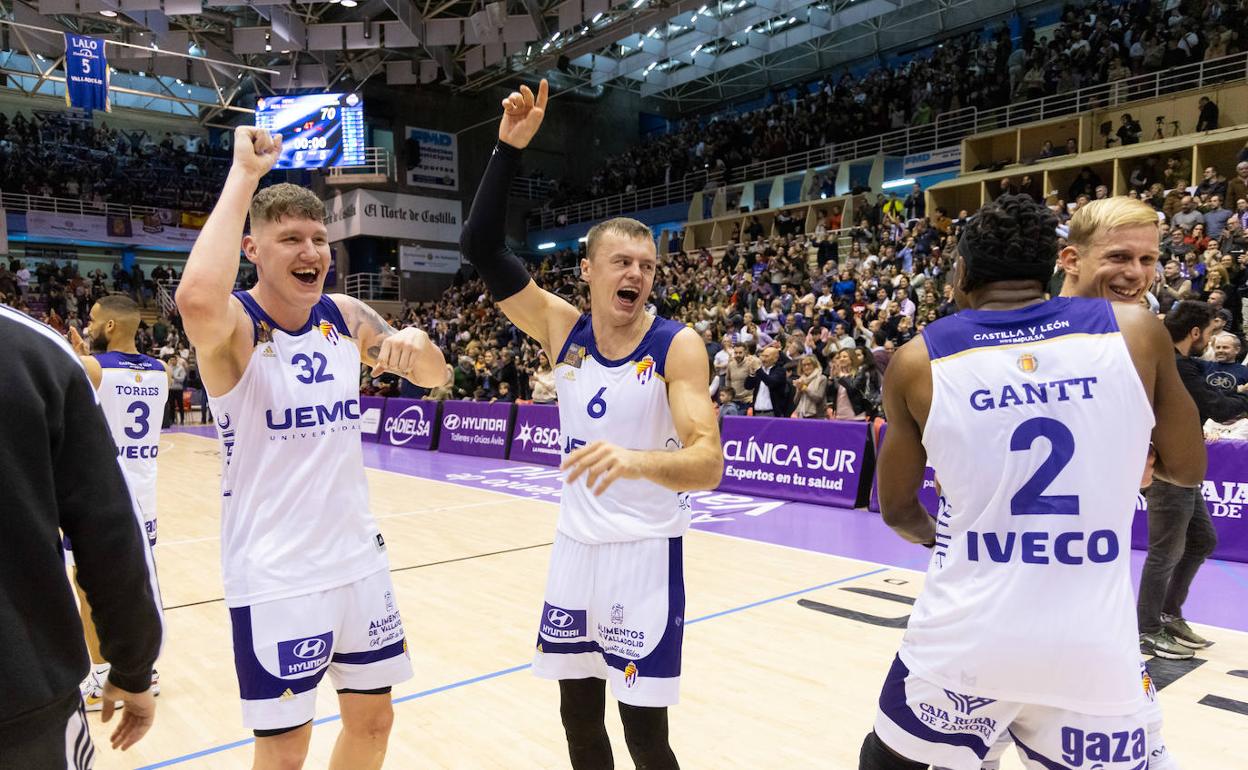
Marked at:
<point>408,353</point>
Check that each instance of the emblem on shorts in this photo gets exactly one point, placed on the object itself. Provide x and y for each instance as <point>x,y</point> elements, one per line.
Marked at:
<point>967,704</point>
<point>617,614</point>
<point>630,674</point>
<point>559,624</point>
<point>287,695</point>
<point>389,601</point>
<point>381,542</point>
<point>1028,363</point>
<point>574,356</point>
<point>645,369</point>
<point>303,656</point>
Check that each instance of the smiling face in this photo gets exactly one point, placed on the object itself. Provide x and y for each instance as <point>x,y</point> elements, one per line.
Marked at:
<point>1118,265</point>
<point>291,257</point>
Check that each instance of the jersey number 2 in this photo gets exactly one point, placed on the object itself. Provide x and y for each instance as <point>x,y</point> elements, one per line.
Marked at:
<point>309,374</point>
<point>1027,500</point>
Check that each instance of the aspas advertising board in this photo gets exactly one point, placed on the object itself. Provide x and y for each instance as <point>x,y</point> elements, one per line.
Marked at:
<point>813,461</point>
<point>410,423</point>
<point>535,438</point>
<point>474,428</point>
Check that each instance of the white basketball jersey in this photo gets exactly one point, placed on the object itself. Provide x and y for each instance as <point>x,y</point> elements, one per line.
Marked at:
<point>133,391</point>
<point>1038,432</point>
<point>294,508</point>
<point>623,402</point>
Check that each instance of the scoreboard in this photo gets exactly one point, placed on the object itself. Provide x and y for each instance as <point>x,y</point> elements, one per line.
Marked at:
<point>318,130</point>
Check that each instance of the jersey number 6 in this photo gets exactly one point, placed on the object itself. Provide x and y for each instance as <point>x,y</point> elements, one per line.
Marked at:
<point>597,407</point>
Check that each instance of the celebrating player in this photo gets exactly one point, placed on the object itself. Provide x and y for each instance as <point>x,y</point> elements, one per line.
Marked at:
<point>305,568</point>
<point>1037,417</point>
<point>132,389</point>
<point>638,430</point>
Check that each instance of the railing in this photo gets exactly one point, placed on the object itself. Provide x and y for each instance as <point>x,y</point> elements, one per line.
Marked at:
<point>22,202</point>
<point>948,129</point>
<point>373,286</point>
<point>532,188</point>
<point>164,295</point>
<point>378,161</point>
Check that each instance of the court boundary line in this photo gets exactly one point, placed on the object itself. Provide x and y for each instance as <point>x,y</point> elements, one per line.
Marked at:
<point>515,669</point>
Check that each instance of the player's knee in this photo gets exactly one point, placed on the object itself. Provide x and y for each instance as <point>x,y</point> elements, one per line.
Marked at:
<point>874,755</point>
<point>372,724</point>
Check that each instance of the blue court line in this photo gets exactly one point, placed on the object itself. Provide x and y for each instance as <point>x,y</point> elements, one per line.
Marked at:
<point>1238,578</point>
<point>512,670</point>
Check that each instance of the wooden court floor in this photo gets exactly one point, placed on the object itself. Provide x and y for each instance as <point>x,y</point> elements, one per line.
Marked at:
<point>768,682</point>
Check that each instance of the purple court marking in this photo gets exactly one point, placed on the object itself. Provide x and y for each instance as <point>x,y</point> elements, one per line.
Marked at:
<point>1217,598</point>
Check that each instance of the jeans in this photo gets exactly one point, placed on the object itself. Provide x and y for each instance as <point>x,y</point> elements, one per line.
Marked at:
<point>1180,537</point>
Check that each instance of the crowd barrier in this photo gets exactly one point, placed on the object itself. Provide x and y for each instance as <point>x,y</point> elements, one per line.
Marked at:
<point>813,461</point>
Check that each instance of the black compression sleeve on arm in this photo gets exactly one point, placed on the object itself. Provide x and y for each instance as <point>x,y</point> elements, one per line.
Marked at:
<point>483,241</point>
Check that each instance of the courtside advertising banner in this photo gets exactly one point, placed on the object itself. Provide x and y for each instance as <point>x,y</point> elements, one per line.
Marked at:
<point>475,428</point>
<point>371,408</point>
<point>811,461</point>
<point>1226,496</point>
<point>86,73</point>
<point>928,495</point>
<point>535,438</point>
<point>409,422</point>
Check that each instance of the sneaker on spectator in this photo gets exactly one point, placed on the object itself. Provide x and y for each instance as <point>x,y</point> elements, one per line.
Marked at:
<point>1163,645</point>
<point>1183,633</point>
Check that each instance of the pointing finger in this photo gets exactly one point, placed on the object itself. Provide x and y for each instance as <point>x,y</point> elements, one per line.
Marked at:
<point>543,94</point>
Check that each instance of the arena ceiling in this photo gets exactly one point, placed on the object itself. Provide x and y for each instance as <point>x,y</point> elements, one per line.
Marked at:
<point>678,55</point>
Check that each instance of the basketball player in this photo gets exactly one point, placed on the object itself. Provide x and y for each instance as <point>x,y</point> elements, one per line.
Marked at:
<point>306,574</point>
<point>132,389</point>
<point>638,430</point>
<point>1025,623</point>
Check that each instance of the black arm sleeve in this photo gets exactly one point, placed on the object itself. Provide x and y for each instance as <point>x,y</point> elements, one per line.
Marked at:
<point>483,240</point>
<point>1210,402</point>
<point>115,566</point>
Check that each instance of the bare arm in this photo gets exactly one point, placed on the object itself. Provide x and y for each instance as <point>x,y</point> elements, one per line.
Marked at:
<point>903,460</point>
<point>698,464</point>
<point>408,353</point>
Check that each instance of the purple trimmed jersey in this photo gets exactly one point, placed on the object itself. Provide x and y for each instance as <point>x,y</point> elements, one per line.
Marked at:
<point>1038,432</point>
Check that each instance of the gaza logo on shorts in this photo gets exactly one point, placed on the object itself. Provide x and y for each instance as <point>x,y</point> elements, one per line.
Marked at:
<point>558,623</point>
<point>304,656</point>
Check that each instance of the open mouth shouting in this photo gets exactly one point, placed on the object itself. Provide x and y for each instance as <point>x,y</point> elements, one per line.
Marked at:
<point>307,275</point>
<point>627,298</point>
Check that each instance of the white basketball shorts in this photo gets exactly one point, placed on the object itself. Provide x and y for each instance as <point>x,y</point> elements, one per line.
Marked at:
<point>927,723</point>
<point>283,648</point>
<point>615,611</point>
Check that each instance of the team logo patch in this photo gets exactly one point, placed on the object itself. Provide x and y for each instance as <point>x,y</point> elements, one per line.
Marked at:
<point>329,332</point>
<point>574,356</point>
<point>967,704</point>
<point>630,674</point>
<point>264,333</point>
<point>1028,363</point>
<point>645,369</point>
<point>304,656</point>
<point>617,614</point>
<point>1147,681</point>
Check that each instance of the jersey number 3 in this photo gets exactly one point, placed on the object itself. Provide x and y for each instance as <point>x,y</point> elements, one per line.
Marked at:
<point>1028,500</point>
<point>313,368</point>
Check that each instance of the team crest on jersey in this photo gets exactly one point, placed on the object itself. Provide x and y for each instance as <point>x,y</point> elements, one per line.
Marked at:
<point>329,332</point>
<point>264,332</point>
<point>645,369</point>
<point>574,356</point>
<point>138,377</point>
<point>630,674</point>
<point>1149,692</point>
<point>1028,363</point>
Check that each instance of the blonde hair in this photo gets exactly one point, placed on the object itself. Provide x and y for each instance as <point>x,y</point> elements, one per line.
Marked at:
<point>1097,217</point>
<point>625,226</point>
<point>283,200</point>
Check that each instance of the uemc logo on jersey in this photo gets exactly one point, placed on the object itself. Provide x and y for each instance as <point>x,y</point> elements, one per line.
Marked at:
<point>314,416</point>
<point>303,656</point>
<point>558,623</point>
<point>407,425</point>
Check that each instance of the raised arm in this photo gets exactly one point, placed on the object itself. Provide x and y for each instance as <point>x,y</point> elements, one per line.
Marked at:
<point>408,353</point>
<point>210,315</point>
<point>698,464</point>
<point>537,312</point>
<point>903,460</point>
<point>95,372</point>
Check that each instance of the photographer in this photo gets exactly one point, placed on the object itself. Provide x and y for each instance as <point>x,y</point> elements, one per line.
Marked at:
<point>1129,132</point>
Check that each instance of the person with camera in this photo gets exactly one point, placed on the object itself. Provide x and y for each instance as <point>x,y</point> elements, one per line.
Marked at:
<point>1129,132</point>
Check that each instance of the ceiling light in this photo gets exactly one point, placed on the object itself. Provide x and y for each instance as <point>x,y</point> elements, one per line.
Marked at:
<point>639,3</point>
<point>547,246</point>
<point>108,12</point>
<point>349,3</point>
<point>594,20</point>
<point>267,48</point>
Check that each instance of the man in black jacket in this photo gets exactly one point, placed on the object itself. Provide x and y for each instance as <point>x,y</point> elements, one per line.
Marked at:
<point>1180,531</point>
<point>62,476</point>
<point>769,384</point>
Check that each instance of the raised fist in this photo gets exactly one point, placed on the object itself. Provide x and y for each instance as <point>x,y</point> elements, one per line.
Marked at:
<point>256,150</point>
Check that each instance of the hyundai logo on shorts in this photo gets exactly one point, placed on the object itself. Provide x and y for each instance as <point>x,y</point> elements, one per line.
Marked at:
<point>309,648</point>
<point>560,624</point>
